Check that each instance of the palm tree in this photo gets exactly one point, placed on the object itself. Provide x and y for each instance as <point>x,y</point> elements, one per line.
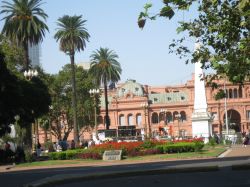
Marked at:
<point>24,24</point>
<point>72,36</point>
<point>105,68</point>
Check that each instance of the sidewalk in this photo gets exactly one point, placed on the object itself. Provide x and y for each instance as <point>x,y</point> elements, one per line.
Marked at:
<point>238,150</point>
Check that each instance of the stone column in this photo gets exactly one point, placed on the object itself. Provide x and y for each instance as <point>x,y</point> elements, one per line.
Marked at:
<point>201,119</point>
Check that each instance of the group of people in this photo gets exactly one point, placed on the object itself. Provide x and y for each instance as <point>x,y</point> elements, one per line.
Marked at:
<point>63,145</point>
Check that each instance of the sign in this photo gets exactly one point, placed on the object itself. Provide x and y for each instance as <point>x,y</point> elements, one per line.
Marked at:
<point>112,155</point>
<point>229,132</point>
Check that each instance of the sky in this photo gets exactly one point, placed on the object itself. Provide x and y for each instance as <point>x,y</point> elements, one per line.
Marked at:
<point>143,54</point>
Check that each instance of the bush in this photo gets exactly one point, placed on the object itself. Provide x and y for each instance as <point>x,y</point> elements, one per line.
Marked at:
<point>53,156</point>
<point>28,155</point>
<point>180,147</point>
<point>95,156</point>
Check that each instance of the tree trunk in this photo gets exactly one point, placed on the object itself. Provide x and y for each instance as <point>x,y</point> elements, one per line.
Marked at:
<point>107,120</point>
<point>26,55</point>
<point>74,102</point>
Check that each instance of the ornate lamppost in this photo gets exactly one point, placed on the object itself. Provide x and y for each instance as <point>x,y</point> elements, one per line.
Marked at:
<point>29,75</point>
<point>94,93</point>
<point>145,107</point>
<point>178,117</point>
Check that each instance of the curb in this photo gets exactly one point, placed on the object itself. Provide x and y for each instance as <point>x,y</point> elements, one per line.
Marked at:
<point>59,179</point>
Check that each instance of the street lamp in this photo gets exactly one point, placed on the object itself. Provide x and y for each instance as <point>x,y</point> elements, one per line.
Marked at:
<point>178,117</point>
<point>50,121</point>
<point>145,106</point>
<point>30,73</point>
<point>94,93</point>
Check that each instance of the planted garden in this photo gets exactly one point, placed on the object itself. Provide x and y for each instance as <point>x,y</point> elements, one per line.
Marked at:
<point>131,149</point>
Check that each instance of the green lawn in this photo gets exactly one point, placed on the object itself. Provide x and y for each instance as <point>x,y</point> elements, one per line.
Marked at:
<point>207,152</point>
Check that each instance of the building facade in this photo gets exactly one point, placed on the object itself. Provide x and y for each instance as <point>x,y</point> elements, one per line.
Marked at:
<point>168,109</point>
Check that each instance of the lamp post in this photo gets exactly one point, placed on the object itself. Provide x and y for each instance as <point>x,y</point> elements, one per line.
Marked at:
<point>145,106</point>
<point>225,106</point>
<point>94,93</point>
<point>178,117</point>
<point>29,75</point>
<point>50,122</point>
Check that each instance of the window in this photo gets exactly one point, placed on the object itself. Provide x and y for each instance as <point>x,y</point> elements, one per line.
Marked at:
<point>183,116</point>
<point>169,98</point>
<point>122,120</point>
<point>155,99</point>
<point>139,120</point>
<point>169,117</point>
<point>182,98</point>
<point>130,119</point>
<point>155,118</point>
<point>248,114</point>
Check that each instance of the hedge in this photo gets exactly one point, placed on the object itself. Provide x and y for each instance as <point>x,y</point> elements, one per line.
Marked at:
<point>180,147</point>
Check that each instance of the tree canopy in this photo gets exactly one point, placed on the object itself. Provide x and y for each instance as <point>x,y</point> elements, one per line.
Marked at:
<point>24,23</point>
<point>222,27</point>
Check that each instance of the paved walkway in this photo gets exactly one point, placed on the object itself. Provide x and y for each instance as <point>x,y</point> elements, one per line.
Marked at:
<point>238,150</point>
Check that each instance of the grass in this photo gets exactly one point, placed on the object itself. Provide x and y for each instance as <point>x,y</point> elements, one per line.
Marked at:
<point>206,152</point>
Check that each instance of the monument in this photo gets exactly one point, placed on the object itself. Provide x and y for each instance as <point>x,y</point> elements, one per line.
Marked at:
<point>201,119</point>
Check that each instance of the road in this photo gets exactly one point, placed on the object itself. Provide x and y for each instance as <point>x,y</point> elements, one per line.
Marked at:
<point>223,178</point>
<point>19,178</point>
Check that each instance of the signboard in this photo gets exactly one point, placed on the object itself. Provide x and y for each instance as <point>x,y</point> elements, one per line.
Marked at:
<point>229,132</point>
<point>112,155</point>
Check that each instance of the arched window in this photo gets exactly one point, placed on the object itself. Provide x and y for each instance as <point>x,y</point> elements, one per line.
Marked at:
<point>175,115</point>
<point>235,93</point>
<point>169,117</point>
<point>161,116</point>
<point>240,92</point>
<point>99,120</point>
<point>122,120</point>
<point>155,118</point>
<point>138,120</point>
<point>230,93</point>
<point>183,116</point>
<point>130,119</point>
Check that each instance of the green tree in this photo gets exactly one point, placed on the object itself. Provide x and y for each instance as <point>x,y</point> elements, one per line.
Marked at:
<point>62,113</point>
<point>28,99</point>
<point>222,28</point>
<point>24,24</point>
<point>105,68</point>
<point>72,36</point>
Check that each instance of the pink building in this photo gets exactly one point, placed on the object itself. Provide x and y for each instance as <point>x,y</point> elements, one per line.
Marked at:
<point>168,109</point>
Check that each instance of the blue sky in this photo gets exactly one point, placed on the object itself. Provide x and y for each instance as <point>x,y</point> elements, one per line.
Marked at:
<point>143,54</point>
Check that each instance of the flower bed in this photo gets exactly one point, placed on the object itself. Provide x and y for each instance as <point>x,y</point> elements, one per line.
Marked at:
<point>131,149</point>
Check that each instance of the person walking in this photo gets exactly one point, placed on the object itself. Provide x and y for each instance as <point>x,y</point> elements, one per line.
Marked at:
<point>245,141</point>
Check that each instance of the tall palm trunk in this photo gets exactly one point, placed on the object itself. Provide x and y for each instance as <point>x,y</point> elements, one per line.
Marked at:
<point>106,105</point>
<point>74,104</point>
<point>26,55</point>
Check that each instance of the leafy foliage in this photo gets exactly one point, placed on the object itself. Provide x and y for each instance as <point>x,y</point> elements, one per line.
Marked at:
<point>105,68</point>
<point>222,28</point>
<point>61,116</point>
<point>24,23</point>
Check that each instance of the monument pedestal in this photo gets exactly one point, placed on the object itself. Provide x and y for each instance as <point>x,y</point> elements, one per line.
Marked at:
<point>201,125</point>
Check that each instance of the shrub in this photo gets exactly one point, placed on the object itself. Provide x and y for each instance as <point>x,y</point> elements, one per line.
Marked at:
<point>28,155</point>
<point>53,156</point>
